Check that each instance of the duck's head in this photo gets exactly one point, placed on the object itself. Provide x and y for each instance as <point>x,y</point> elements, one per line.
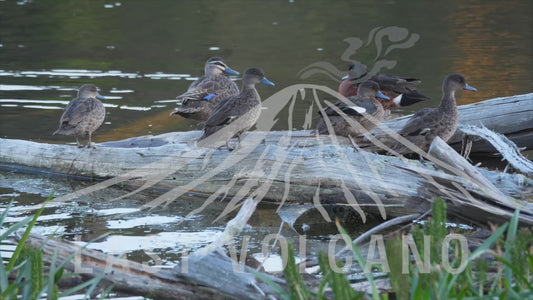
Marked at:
<point>370,89</point>
<point>455,82</point>
<point>216,65</point>
<point>89,91</point>
<point>356,71</point>
<point>256,75</point>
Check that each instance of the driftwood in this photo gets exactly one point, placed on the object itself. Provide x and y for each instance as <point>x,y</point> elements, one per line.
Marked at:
<point>291,167</point>
<point>154,282</point>
<point>505,147</point>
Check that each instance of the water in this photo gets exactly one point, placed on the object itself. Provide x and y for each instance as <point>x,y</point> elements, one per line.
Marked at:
<point>140,53</point>
<point>143,53</point>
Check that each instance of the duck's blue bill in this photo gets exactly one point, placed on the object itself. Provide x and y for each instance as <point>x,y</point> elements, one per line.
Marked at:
<point>345,77</point>
<point>381,95</point>
<point>231,71</point>
<point>470,88</point>
<point>267,82</point>
<point>100,97</point>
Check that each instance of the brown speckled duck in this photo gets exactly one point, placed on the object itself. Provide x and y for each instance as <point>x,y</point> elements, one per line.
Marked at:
<point>441,121</point>
<point>364,103</point>
<point>402,91</point>
<point>237,114</point>
<point>206,92</point>
<point>83,115</point>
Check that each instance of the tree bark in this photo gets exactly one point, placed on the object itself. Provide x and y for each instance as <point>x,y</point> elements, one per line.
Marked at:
<point>140,279</point>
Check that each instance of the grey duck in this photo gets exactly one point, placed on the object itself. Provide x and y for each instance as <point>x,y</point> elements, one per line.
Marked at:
<point>83,115</point>
<point>365,103</point>
<point>237,114</point>
<point>401,90</point>
<point>207,91</point>
<point>442,121</point>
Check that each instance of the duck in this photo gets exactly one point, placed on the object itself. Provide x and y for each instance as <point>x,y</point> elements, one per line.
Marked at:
<point>442,121</point>
<point>402,90</point>
<point>207,91</point>
<point>237,114</point>
<point>83,115</point>
<point>364,103</point>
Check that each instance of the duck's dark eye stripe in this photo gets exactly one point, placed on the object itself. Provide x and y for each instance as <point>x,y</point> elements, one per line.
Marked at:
<point>219,64</point>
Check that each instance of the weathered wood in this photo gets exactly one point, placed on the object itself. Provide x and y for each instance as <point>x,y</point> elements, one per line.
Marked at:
<point>139,279</point>
<point>473,209</point>
<point>282,166</point>
<point>505,147</point>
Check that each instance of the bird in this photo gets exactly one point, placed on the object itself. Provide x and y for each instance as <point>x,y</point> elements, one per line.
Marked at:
<point>442,121</point>
<point>83,115</point>
<point>207,91</point>
<point>402,90</point>
<point>362,105</point>
<point>235,115</point>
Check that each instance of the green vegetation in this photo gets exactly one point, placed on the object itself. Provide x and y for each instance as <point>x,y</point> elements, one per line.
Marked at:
<point>23,276</point>
<point>466,276</point>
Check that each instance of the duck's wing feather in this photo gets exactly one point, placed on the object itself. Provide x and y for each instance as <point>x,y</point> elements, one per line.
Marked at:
<point>369,105</point>
<point>396,83</point>
<point>331,112</point>
<point>419,123</point>
<point>357,106</point>
<point>204,86</point>
<point>77,110</point>
<point>223,113</point>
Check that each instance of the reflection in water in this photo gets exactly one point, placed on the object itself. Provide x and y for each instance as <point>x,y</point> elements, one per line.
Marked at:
<point>18,87</point>
<point>485,51</point>
<point>160,75</point>
<point>116,91</point>
<point>72,74</point>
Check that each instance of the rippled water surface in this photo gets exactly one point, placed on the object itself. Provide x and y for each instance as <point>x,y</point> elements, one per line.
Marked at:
<point>141,54</point>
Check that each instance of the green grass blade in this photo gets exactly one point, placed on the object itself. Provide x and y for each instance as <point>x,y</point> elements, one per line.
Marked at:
<point>93,283</point>
<point>4,277</point>
<point>277,288</point>
<point>4,213</point>
<point>510,243</point>
<point>337,280</point>
<point>323,285</point>
<point>105,293</point>
<point>400,282</point>
<point>292,274</point>
<point>488,243</point>
<point>14,228</point>
<point>26,234</point>
<point>51,287</point>
<point>517,273</point>
<point>359,257</point>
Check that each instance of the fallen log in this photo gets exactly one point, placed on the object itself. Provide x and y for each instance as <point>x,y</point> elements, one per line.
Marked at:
<point>141,279</point>
<point>505,147</point>
<point>282,167</point>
